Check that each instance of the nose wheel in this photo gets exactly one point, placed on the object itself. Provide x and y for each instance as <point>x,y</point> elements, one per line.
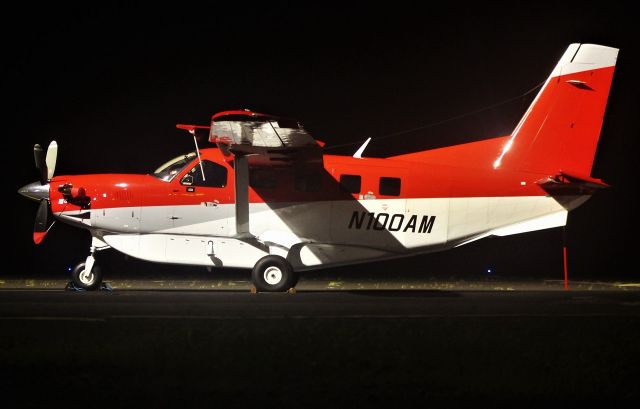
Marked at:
<point>87,275</point>
<point>85,278</point>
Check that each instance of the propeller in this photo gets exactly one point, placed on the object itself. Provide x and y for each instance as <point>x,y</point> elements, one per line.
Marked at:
<point>50,160</point>
<point>41,163</point>
<point>40,227</point>
<point>46,165</point>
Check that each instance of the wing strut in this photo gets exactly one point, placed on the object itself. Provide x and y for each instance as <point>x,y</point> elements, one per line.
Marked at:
<point>195,141</point>
<point>241,167</point>
<point>192,130</point>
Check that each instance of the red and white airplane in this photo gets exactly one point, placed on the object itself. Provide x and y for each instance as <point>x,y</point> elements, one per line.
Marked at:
<point>267,198</point>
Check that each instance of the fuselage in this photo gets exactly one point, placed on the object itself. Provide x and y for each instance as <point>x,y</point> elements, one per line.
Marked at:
<point>352,210</point>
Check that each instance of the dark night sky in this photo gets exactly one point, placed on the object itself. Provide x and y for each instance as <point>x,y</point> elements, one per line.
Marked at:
<point>110,84</point>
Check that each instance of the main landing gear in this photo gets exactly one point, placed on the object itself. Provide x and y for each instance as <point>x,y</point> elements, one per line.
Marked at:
<point>273,274</point>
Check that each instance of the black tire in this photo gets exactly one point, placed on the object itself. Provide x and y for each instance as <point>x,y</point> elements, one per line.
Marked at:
<point>296,278</point>
<point>273,274</point>
<point>91,282</point>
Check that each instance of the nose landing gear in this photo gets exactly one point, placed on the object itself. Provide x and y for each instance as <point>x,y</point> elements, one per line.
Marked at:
<point>87,275</point>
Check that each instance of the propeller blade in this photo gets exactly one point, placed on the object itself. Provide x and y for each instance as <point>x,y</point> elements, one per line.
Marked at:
<point>41,163</point>
<point>40,226</point>
<point>52,155</point>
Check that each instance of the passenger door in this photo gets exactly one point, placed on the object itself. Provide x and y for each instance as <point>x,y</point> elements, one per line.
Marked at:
<point>203,205</point>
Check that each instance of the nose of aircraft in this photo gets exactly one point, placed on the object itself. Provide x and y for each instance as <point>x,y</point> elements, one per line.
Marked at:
<point>35,191</point>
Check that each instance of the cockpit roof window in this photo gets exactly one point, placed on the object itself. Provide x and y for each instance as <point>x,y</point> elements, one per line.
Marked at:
<point>170,169</point>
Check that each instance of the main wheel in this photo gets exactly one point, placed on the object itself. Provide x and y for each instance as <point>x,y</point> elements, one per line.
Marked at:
<point>273,274</point>
<point>87,280</point>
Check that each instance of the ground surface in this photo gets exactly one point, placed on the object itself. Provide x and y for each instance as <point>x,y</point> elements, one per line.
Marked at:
<point>319,348</point>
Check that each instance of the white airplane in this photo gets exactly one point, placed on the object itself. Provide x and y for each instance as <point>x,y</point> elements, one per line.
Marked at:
<point>268,199</point>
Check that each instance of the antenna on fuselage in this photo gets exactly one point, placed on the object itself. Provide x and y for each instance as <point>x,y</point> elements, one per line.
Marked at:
<point>360,151</point>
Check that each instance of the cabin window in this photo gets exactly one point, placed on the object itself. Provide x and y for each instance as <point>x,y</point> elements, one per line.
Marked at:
<point>389,186</point>
<point>351,183</point>
<point>215,175</point>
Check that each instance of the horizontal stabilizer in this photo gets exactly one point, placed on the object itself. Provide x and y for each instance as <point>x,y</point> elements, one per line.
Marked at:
<point>565,184</point>
<point>584,180</point>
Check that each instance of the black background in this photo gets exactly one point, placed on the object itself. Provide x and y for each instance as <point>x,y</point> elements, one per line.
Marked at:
<point>109,85</point>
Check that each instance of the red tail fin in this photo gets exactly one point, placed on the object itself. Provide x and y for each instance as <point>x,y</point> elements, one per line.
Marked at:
<point>560,130</point>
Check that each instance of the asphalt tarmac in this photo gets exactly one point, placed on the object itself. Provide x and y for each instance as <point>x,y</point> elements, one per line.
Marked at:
<point>372,348</point>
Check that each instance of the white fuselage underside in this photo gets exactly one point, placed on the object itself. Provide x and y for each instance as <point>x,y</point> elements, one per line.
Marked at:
<point>317,233</point>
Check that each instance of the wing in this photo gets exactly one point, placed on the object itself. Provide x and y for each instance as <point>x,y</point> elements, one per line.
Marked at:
<point>258,130</point>
<point>266,139</point>
<point>257,140</point>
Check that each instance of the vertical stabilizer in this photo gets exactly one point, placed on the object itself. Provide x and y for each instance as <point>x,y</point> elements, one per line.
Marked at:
<point>560,130</point>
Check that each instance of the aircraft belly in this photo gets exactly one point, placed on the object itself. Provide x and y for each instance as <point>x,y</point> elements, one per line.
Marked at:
<point>227,252</point>
<point>130,244</point>
<point>327,233</point>
<point>315,254</point>
<point>187,249</point>
<point>479,216</point>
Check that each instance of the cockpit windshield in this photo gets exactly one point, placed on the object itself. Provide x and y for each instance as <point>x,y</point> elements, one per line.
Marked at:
<point>170,169</point>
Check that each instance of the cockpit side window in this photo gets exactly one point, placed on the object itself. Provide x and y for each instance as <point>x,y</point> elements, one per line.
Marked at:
<point>215,175</point>
<point>170,169</point>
